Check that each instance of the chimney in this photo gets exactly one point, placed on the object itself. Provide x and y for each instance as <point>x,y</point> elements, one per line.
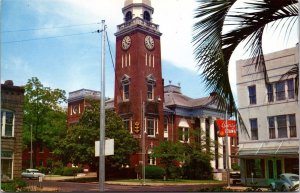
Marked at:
<point>9,83</point>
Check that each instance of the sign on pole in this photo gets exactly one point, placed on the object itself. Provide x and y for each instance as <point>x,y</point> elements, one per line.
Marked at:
<point>231,128</point>
<point>109,147</point>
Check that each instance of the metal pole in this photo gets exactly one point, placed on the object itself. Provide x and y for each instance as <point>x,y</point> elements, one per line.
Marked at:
<point>102,115</point>
<point>31,147</point>
<point>226,143</point>
<point>143,139</point>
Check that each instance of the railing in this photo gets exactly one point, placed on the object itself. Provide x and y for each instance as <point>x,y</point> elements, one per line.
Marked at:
<point>138,21</point>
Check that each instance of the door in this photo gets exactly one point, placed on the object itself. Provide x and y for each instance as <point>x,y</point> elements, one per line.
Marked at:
<point>274,168</point>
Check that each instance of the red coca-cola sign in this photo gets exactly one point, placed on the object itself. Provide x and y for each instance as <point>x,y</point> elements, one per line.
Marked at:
<point>231,128</point>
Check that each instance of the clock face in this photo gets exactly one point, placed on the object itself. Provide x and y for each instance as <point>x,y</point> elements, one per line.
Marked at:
<point>149,42</point>
<point>126,42</point>
<point>75,109</point>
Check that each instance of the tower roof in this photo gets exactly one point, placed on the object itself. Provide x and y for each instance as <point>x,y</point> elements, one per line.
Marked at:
<point>129,2</point>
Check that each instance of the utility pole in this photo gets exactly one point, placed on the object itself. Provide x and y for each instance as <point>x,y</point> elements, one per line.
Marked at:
<point>31,165</point>
<point>102,115</point>
<point>226,143</point>
<point>143,138</point>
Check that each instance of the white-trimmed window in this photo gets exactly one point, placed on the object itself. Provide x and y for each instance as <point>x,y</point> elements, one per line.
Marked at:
<point>270,93</point>
<point>183,135</point>
<point>7,123</point>
<point>166,133</point>
<point>252,94</point>
<point>6,164</point>
<point>125,85</point>
<point>150,87</point>
<point>151,127</point>
<point>280,90</point>
<point>290,88</point>
<point>272,133</point>
<point>254,129</point>
<point>292,125</point>
<point>282,126</point>
<point>127,124</point>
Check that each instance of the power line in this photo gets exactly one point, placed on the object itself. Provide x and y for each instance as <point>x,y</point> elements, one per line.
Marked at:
<point>47,28</point>
<point>34,39</point>
<point>110,52</point>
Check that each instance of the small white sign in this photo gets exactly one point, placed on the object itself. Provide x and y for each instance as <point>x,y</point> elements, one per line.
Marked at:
<point>109,147</point>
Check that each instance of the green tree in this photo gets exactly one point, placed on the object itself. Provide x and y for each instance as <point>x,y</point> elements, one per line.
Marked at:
<point>198,154</point>
<point>78,146</point>
<point>44,114</point>
<point>169,154</point>
<point>220,28</point>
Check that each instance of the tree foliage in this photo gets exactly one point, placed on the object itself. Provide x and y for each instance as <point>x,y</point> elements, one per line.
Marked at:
<point>78,146</point>
<point>44,114</point>
<point>220,28</point>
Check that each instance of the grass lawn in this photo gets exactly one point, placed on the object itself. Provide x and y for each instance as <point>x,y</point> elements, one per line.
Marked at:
<point>182,181</point>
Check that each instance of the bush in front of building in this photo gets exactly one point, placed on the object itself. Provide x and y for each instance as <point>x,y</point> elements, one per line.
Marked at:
<point>67,171</point>
<point>235,166</point>
<point>154,172</point>
<point>14,185</point>
<point>197,169</point>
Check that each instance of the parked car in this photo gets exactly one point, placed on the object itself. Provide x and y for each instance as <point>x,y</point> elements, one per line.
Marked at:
<point>32,173</point>
<point>286,182</point>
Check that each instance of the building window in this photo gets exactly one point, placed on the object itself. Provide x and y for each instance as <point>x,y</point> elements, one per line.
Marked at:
<point>166,127</point>
<point>126,123</point>
<point>150,127</point>
<point>280,90</point>
<point>292,122</point>
<point>183,135</point>
<point>254,129</point>
<point>291,89</point>
<point>271,121</point>
<point>252,94</point>
<point>125,84</point>
<point>7,123</point>
<point>282,126</point>
<point>150,87</point>
<point>270,93</point>
<point>6,164</point>
<point>128,16</point>
<point>146,16</point>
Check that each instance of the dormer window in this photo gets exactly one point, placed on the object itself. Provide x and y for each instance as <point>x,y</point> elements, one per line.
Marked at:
<point>150,87</point>
<point>146,16</point>
<point>125,84</point>
<point>128,16</point>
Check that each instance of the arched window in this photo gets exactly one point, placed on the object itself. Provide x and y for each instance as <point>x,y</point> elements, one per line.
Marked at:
<point>147,16</point>
<point>128,16</point>
<point>125,84</point>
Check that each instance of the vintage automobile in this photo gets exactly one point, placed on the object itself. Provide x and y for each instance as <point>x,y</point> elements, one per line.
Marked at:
<point>286,182</point>
<point>32,173</point>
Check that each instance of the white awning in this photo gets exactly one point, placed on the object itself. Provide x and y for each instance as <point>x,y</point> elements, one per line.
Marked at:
<point>183,123</point>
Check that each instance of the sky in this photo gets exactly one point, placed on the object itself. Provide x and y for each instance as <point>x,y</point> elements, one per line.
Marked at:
<point>56,41</point>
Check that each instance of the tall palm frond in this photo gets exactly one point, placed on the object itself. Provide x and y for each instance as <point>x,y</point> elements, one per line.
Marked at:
<point>214,46</point>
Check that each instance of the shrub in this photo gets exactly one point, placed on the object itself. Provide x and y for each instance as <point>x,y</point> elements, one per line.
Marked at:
<point>71,171</point>
<point>154,172</point>
<point>235,166</point>
<point>14,185</point>
<point>198,169</point>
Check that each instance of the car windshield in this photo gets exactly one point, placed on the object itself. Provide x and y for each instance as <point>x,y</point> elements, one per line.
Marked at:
<point>294,178</point>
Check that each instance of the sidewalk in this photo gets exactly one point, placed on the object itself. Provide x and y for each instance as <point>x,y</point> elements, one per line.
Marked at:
<point>80,175</point>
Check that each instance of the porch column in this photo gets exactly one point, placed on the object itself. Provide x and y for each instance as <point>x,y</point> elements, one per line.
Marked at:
<point>220,152</point>
<point>212,137</point>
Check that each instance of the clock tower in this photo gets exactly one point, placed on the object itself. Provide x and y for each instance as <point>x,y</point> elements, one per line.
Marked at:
<point>138,77</point>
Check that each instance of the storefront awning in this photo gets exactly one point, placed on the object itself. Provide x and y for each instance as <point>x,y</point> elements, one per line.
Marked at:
<point>270,148</point>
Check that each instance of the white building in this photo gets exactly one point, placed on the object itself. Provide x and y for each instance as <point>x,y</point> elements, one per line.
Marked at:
<point>270,113</point>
